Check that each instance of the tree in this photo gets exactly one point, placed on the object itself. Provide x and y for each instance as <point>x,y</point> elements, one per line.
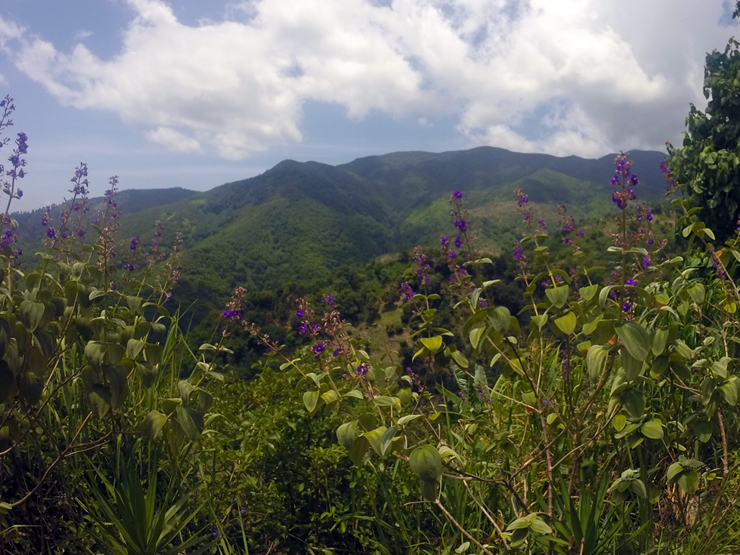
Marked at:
<point>707,166</point>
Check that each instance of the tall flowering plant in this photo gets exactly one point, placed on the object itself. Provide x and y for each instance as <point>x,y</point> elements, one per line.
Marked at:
<point>602,392</point>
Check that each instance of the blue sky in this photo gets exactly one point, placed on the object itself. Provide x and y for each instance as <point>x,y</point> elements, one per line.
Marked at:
<point>194,94</point>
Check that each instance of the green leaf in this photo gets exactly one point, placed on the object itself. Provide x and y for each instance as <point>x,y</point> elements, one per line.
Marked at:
<point>374,437</point>
<point>476,335</point>
<point>673,473</point>
<point>408,418</point>
<point>540,526</point>
<point>638,487</point>
<point>346,434</point>
<point>387,441</point>
<point>660,340</point>
<point>359,449</point>
<point>729,392</point>
<point>697,293</point>
<point>567,323</point>
<point>426,463</point>
<point>652,429</point>
<point>386,401</point>
<point>190,420</point>
<point>590,327</point>
<point>558,296</point>
<point>32,314</point>
<point>633,401</point>
<point>434,344</point>
<point>460,359</point>
<point>595,359</point>
<point>118,385</point>
<point>152,426</point>
<point>632,367</point>
<point>689,481</point>
<point>31,387</point>
<point>635,338</point>
<point>311,400</point>
<point>500,318</point>
<point>588,292</point>
<point>703,430</point>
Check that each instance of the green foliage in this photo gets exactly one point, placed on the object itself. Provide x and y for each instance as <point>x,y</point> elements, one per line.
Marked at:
<point>707,166</point>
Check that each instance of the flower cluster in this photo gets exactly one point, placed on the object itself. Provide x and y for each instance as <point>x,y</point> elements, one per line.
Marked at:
<point>625,179</point>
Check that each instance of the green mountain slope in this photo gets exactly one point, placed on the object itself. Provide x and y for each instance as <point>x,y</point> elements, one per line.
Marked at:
<point>300,221</point>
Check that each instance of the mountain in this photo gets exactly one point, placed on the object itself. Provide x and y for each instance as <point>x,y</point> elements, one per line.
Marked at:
<point>301,220</point>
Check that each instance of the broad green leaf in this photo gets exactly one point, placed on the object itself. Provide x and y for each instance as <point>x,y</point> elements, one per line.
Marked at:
<point>652,429</point>
<point>359,449</point>
<point>567,323</point>
<point>697,293</point>
<point>500,319</point>
<point>385,401</point>
<point>32,314</point>
<point>426,463</point>
<point>408,418</point>
<point>689,481</point>
<point>460,359</point>
<point>387,440</point>
<point>703,430</point>
<point>346,434</point>
<point>310,400</point>
<point>190,420</point>
<point>118,385</point>
<point>476,335</point>
<point>674,471</point>
<point>374,437</point>
<point>434,344</point>
<point>558,296</point>
<point>632,367</point>
<point>595,359</point>
<point>619,422</point>
<point>635,339</point>
<point>660,340</point>
<point>638,487</point>
<point>589,291</point>
<point>153,424</point>
<point>729,392</point>
<point>590,327</point>
<point>633,401</point>
<point>538,525</point>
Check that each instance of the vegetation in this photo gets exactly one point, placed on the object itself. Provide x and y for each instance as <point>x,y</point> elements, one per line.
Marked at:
<point>574,392</point>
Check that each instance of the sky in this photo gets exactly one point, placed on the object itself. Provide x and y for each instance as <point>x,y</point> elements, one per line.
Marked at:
<point>195,94</point>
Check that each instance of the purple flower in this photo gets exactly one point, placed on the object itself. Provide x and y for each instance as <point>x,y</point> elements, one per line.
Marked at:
<point>646,263</point>
<point>518,252</point>
<point>523,199</point>
<point>626,307</point>
<point>130,267</point>
<point>649,216</point>
<point>458,242</point>
<point>650,241</point>
<point>337,352</point>
<point>457,195</point>
<point>452,255</point>
<point>329,299</point>
<point>303,328</point>
<point>134,243</point>
<point>362,369</point>
<point>300,313</point>
<point>630,281</point>
<point>51,234</point>
<point>580,233</point>
<point>318,349</point>
<point>315,327</point>
<point>567,241</point>
<point>19,193</point>
<point>232,314</point>
<point>461,224</point>
<point>444,241</point>
<point>543,224</point>
<point>483,303</point>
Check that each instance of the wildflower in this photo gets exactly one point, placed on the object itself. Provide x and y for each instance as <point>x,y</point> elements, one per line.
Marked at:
<point>337,352</point>
<point>232,314</point>
<point>518,253</point>
<point>362,369</point>
<point>444,241</point>
<point>630,281</point>
<point>329,299</point>
<point>483,303</point>
<point>646,263</point>
<point>452,255</point>
<point>315,327</point>
<point>318,349</point>
<point>303,328</point>
<point>650,241</point>
<point>458,242</point>
<point>134,243</point>
<point>51,234</point>
<point>300,313</point>
<point>580,233</point>
<point>626,307</point>
<point>457,195</point>
<point>461,224</point>
<point>567,241</point>
<point>649,215</point>
<point>543,224</point>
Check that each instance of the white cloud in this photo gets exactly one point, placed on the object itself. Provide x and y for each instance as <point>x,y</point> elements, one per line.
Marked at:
<point>592,75</point>
<point>173,140</point>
